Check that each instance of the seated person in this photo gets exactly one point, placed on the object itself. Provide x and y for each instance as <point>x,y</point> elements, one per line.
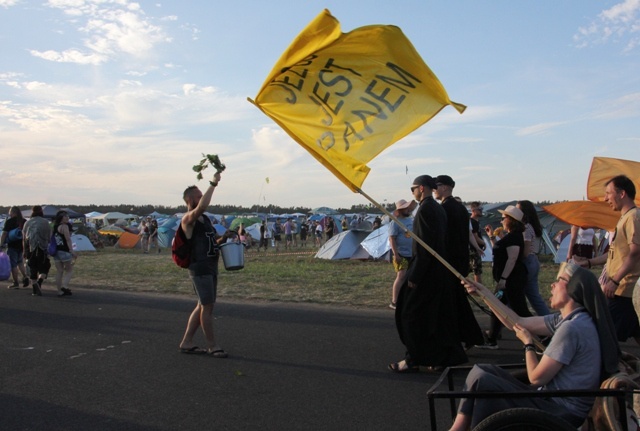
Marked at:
<point>582,334</point>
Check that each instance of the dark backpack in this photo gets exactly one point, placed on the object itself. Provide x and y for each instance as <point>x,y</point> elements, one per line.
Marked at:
<point>181,249</point>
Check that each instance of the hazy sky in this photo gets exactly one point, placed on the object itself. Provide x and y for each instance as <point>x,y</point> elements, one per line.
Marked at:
<point>113,101</point>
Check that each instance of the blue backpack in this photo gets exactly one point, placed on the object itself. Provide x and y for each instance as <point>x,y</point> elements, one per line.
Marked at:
<point>52,248</point>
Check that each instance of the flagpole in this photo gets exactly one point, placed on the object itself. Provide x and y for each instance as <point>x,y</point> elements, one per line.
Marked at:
<point>487,296</point>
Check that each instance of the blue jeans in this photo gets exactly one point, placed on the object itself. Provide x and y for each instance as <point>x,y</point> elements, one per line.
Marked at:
<point>531,289</point>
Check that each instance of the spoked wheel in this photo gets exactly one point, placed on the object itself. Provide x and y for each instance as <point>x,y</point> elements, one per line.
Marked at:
<point>523,419</point>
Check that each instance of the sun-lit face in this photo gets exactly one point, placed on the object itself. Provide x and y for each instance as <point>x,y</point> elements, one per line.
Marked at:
<point>559,295</point>
<point>613,197</point>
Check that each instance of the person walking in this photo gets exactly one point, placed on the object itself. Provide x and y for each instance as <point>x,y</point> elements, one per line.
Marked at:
<point>36,236</point>
<point>424,311</point>
<point>532,240</point>
<point>458,237</point>
<point>203,268</point>
<point>509,271</point>
<point>12,234</point>
<point>64,258</point>
<point>401,244</point>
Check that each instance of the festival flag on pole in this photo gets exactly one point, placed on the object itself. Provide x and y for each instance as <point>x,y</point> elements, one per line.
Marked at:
<point>345,97</point>
<point>605,168</point>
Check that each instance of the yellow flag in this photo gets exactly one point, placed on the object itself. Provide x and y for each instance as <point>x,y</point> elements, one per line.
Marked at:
<point>585,214</point>
<point>345,97</point>
<point>605,168</point>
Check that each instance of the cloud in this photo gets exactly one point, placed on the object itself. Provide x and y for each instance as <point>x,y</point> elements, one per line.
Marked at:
<point>8,3</point>
<point>538,129</point>
<point>620,23</point>
<point>112,27</point>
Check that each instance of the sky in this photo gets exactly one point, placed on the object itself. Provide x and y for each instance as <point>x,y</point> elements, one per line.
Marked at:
<point>113,101</point>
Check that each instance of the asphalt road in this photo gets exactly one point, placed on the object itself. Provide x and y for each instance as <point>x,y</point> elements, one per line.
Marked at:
<point>103,360</point>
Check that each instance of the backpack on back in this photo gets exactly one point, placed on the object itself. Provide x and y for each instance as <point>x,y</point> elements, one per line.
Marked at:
<point>181,248</point>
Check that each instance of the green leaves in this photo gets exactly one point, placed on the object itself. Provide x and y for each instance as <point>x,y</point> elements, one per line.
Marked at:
<point>209,159</point>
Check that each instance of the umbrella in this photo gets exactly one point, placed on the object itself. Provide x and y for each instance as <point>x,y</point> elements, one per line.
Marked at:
<point>112,230</point>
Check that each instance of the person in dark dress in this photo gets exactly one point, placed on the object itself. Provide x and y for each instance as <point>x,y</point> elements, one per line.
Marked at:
<point>458,256</point>
<point>424,317</point>
<point>509,271</point>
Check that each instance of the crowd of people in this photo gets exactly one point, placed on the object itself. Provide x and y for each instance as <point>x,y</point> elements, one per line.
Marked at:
<point>30,241</point>
<point>436,245</point>
<point>587,319</point>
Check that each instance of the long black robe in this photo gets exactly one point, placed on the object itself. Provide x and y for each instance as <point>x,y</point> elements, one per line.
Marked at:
<point>458,256</point>
<point>424,316</point>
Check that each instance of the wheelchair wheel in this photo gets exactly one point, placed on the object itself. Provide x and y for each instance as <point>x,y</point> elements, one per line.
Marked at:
<point>523,419</point>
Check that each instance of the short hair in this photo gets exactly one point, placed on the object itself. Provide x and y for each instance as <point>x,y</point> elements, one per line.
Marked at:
<point>37,211</point>
<point>188,191</point>
<point>622,182</point>
<point>475,204</point>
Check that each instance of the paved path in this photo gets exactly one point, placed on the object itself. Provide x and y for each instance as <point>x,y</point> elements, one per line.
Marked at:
<point>102,360</point>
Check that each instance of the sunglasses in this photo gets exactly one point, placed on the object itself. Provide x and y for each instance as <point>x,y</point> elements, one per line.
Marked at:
<point>413,188</point>
<point>561,278</point>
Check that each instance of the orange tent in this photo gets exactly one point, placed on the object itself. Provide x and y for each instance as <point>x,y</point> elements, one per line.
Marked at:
<point>128,240</point>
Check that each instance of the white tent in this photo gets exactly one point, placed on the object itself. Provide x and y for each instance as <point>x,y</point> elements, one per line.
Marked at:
<point>81,243</point>
<point>377,242</point>
<point>341,246</point>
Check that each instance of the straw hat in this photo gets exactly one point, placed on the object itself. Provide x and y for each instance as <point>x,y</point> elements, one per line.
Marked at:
<point>513,212</point>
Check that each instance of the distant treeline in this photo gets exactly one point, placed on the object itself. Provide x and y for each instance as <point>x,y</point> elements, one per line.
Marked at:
<point>142,210</point>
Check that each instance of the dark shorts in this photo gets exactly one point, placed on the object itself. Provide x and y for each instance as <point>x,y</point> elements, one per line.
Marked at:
<point>475,262</point>
<point>277,237</point>
<point>39,263</point>
<point>206,287</point>
<point>288,237</point>
<point>625,318</point>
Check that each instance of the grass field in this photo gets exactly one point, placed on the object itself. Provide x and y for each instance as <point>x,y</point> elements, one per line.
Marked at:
<point>290,277</point>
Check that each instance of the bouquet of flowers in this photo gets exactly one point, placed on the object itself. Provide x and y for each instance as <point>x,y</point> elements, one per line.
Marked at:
<point>209,159</point>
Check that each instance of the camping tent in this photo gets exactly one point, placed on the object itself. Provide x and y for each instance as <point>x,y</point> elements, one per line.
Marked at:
<point>341,246</point>
<point>377,242</point>
<point>81,243</point>
<point>128,240</point>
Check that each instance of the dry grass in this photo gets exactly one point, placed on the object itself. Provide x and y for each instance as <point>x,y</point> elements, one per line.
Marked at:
<point>265,277</point>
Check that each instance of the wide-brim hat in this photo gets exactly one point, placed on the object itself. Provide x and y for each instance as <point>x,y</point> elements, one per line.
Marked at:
<point>513,212</point>
<point>402,204</point>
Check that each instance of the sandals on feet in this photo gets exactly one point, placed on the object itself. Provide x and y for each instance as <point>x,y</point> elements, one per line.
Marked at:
<point>218,353</point>
<point>403,367</point>
<point>195,350</point>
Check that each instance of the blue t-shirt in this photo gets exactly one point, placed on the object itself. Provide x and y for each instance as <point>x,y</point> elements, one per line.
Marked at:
<point>576,345</point>
<point>404,242</point>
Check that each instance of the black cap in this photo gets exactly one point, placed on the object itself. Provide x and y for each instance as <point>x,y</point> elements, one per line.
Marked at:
<point>445,180</point>
<point>425,180</point>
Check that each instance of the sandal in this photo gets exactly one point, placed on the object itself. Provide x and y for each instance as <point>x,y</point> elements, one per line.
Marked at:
<point>218,353</point>
<point>403,367</point>
<point>195,350</point>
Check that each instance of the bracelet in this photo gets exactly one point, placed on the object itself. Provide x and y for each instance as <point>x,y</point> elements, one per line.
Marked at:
<point>213,184</point>
<point>617,283</point>
<point>503,278</point>
<point>529,348</point>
